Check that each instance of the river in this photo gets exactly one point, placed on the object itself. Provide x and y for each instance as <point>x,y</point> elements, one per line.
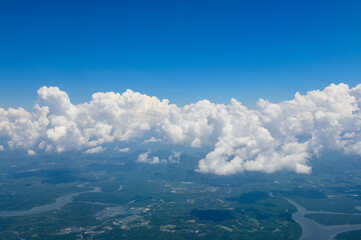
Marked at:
<point>312,230</point>
<point>59,202</point>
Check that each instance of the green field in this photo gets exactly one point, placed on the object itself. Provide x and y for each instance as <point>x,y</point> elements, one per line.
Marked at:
<point>141,201</point>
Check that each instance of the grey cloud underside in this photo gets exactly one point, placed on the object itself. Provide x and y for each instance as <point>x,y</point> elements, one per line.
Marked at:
<point>277,136</point>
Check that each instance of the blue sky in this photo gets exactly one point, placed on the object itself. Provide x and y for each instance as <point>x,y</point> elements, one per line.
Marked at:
<point>181,50</point>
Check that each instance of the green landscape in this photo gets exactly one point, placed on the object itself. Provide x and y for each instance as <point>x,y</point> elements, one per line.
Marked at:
<point>167,201</point>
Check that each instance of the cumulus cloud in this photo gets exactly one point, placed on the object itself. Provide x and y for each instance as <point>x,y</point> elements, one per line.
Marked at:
<point>174,157</point>
<point>31,152</point>
<point>122,149</point>
<point>274,137</point>
<point>95,150</point>
<point>144,158</point>
<point>152,140</point>
<point>1,148</point>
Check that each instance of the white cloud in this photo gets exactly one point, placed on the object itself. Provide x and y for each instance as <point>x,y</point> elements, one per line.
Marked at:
<point>144,158</point>
<point>95,150</point>
<point>1,148</point>
<point>31,152</point>
<point>152,140</point>
<point>278,136</point>
<point>122,149</point>
<point>174,157</point>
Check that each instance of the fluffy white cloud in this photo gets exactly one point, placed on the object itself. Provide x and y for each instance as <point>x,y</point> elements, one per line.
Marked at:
<point>95,150</point>
<point>31,152</point>
<point>174,157</point>
<point>152,140</point>
<point>1,148</point>
<point>122,149</point>
<point>277,136</point>
<point>144,158</point>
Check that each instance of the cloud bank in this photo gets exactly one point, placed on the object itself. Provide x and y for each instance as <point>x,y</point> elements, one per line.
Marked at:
<point>274,137</point>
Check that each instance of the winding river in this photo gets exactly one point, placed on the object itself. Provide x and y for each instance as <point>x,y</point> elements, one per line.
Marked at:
<point>312,230</point>
<point>59,202</point>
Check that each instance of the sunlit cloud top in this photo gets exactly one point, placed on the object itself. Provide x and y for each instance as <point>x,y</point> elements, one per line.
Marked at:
<point>274,137</point>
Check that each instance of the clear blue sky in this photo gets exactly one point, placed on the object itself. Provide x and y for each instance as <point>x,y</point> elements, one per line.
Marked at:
<point>181,50</point>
